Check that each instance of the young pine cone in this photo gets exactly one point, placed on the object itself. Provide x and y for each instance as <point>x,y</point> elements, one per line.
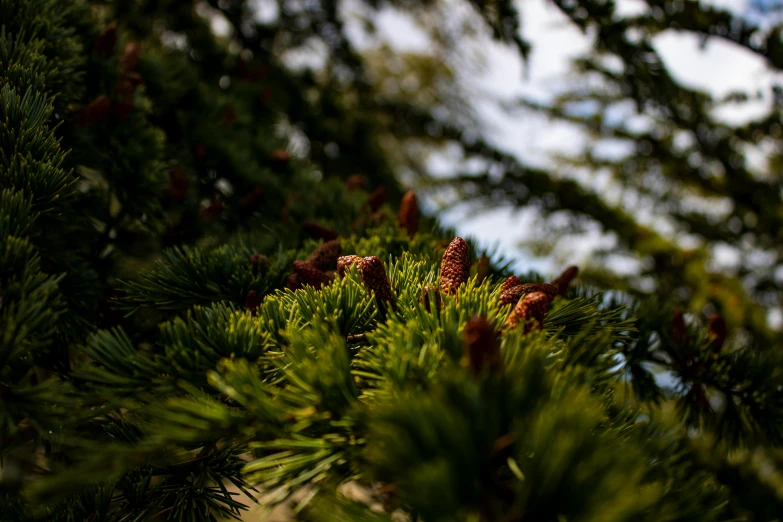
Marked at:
<point>325,256</point>
<point>408,217</point>
<point>510,282</point>
<point>532,309</point>
<point>424,298</point>
<point>481,345</point>
<point>309,275</point>
<point>252,301</point>
<point>346,261</point>
<point>564,280</point>
<point>512,295</point>
<point>319,231</point>
<point>717,331</point>
<point>375,279</point>
<point>455,266</point>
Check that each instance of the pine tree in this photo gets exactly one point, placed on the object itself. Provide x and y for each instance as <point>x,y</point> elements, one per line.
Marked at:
<point>193,318</point>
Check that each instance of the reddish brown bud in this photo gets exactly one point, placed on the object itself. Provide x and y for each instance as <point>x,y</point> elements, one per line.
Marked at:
<point>355,181</point>
<point>510,282</point>
<point>408,217</point>
<point>455,266</point>
<point>679,331</point>
<point>531,309</point>
<point>318,231</point>
<point>130,56</point>
<point>564,280</point>
<point>250,200</point>
<point>376,198</point>
<point>178,185</point>
<point>512,295</point>
<point>424,298</point>
<point>325,256</point>
<point>104,44</point>
<point>255,259</point>
<point>375,279</point>
<point>481,345</point>
<point>310,275</point>
<point>346,261</point>
<point>252,301</point>
<point>293,282</point>
<point>717,331</point>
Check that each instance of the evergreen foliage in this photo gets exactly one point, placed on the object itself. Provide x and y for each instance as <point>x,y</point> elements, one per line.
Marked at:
<point>175,342</point>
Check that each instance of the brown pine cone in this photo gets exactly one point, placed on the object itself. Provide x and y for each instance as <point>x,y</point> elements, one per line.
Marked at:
<point>532,309</point>
<point>455,266</point>
<point>252,301</point>
<point>717,331</point>
<point>375,279</point>
<point>424,298</point>
<point>346,261</point>
<point>481,345</point>
<point>510,282</point>
<point>130,56</point>
<point>310,275</point>
<point>512,295</point>
<point>319,231</point>
<point>679,331</point>
<point>325,256</point>
<point>408,217</point>
<point>564,280</point>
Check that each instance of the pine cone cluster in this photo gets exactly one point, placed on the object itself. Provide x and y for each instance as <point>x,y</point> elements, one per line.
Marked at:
<point>318,269</point>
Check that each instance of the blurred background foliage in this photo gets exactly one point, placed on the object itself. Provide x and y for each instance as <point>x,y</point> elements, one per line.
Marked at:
<point>684,189</point>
